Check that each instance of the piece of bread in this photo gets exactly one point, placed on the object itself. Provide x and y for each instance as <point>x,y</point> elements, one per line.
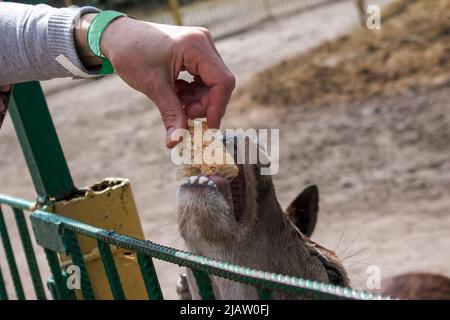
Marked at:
<point>224,166</point>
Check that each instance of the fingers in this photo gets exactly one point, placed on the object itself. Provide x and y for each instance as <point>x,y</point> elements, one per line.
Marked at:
<point>221,83</point>
<point>194,96</point>
<point>195,110</point>
<point>171,110</point>
<point>202,60</point>
<point>181,85</point>
<point>210,39</point>
<point>207,96</point>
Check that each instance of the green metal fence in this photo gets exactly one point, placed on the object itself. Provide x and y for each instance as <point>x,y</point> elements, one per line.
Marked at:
<point>57,234</point>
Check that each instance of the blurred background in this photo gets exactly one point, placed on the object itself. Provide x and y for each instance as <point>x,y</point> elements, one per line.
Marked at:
<point>222,17</point>
<point>364,114</point>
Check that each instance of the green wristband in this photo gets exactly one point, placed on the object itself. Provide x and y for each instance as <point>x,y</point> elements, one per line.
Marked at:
<point>95,33</point>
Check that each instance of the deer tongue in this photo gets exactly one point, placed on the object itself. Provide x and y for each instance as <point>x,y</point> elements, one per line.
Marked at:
<point>234,194</point>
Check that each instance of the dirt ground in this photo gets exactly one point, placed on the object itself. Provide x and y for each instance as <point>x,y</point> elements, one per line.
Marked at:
<point>411,50</point>
<point>381,164</point>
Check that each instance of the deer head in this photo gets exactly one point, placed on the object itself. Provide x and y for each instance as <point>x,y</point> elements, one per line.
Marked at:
<point>241,222</point>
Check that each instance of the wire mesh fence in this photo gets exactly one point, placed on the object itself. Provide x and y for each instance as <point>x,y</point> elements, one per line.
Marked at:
<point>221,17</point>
<point>227,17</point>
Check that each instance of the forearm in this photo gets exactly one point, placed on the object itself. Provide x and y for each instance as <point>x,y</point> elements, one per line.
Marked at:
<point>33,40</point>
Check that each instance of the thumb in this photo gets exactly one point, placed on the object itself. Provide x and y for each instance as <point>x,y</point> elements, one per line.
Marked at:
<point>172,113</point>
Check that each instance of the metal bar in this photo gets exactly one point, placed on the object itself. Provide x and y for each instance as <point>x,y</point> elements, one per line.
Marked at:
<point>29,254</point>
<point>54,291</point>
<point>204,285</point>
<point>10,257</point>
<point>71,242</point>
<point>53,263</point>
<point>39,142</point>
<point>150,277</point>
<point>264,294</point>
<point>271,281</point>
<point>15,202</point>
<point>111,270</point>
<point>3,293</point>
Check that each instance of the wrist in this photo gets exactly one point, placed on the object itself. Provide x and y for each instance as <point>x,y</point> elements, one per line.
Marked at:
<point>87,57</point>
<point>112,36</point>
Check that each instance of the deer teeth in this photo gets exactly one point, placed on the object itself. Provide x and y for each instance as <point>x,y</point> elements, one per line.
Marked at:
<point>211,183</point>
<point>203,180</point>
<point>192,179</point>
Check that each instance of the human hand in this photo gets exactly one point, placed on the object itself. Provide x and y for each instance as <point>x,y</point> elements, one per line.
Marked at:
<point>149,57</point>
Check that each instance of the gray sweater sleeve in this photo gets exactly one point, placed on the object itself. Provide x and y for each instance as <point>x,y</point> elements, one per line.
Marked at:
<point>37,43</point>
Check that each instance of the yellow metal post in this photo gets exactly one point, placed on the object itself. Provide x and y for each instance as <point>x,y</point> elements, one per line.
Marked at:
<point>108,204</point>
<point>175,11</point>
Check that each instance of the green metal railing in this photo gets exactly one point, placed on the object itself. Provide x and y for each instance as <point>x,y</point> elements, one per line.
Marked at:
<point>57,235</point>
<point>29,254</point>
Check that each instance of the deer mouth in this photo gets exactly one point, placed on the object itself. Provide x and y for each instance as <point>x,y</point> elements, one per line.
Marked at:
<point>234,191</point>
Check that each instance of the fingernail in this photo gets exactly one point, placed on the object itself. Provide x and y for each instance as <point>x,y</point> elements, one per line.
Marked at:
<point>169,131</point>
<point>169,141</point>
<point>174,136</point>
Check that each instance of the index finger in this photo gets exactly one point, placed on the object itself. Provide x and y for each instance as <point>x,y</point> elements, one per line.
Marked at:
<point>215,75</point>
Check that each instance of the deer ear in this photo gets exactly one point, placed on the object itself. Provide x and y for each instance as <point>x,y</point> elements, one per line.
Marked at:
<point>303,210</point>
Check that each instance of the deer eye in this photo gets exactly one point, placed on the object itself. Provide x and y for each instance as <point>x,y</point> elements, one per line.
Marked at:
<point>334,274</point>
<point>335,277</point>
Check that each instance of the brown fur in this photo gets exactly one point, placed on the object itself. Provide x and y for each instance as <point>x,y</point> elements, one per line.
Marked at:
<point>417,286</point>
